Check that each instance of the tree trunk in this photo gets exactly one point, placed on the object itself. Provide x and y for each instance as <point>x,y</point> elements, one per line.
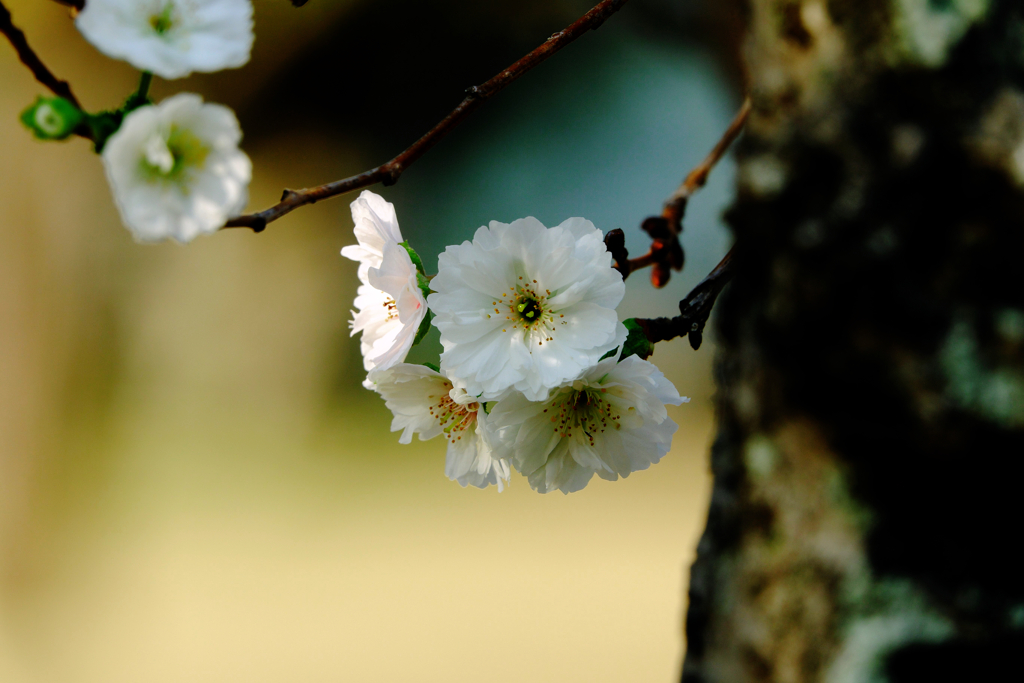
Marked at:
<point>868,470</point>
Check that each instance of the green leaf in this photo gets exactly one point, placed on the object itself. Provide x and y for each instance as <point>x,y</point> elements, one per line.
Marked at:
<point>416,260</point>
<point>435,368</point>
<point>637,343</point>
<point>424,284</point>
<point>421,274</point>
<point>424,328</point>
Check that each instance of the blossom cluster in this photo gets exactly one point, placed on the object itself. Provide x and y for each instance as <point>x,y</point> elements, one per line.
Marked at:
<point>537,373</point>
<point>175,168</point>
<point>533,375</point>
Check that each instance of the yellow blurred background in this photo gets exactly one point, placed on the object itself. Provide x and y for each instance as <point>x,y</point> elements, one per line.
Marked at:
<point>193,484</point>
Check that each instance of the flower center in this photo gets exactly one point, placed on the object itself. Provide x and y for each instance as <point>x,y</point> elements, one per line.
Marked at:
<point>582,414</point>
<point>392,309</point>
<point>526,301</point>
<point>453,417</point>
<point>164,21</point>
<point>529,309</point>
<point>169,158</point>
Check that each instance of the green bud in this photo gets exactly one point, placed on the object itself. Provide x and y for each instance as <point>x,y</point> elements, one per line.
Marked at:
<point>52,118</point>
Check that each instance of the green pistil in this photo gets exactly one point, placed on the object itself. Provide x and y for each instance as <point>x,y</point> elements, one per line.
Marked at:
<point>529,310</point>
<point>162,22</point>
<point>188,152</point>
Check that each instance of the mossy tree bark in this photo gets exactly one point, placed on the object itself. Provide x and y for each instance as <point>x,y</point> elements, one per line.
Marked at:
<point>865,519</point>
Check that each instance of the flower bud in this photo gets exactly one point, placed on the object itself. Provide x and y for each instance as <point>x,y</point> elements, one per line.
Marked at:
<point>52,118</point>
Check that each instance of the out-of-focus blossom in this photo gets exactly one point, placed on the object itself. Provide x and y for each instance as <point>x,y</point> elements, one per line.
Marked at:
<point>176,170</point>
<point>171,38</point>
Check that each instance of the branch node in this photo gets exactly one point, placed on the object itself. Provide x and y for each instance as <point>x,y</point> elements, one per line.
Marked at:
<point>615,243</point>
<point>656,227</point>
<point>391,177</point>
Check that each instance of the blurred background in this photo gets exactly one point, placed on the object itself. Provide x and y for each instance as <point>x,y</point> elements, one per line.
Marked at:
<point>193,484</point>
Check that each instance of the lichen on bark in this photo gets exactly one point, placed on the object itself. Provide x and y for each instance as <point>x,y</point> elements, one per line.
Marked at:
<point>871,440</point>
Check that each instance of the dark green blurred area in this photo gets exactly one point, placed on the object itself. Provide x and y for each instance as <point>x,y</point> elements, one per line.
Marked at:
<point>193,484</point>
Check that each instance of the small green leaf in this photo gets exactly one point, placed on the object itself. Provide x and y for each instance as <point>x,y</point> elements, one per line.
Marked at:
<point>424,328</point>
<point>637,343</point>
<point>435,368</point>
<point>416,260</point>
<point>421,275</point>
<point>424,284</point>
<point>487,407</point>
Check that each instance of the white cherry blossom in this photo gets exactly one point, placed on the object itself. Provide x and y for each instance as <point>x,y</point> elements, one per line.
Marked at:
<point>376,225</point>
<point>176,170</point>
<point>390,302</point>
<point>525,306</point>
<point>171,38</point>
<point>610,421</point>
<point>424,402</point>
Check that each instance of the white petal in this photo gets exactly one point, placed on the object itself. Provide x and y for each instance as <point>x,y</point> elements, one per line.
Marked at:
<point>376,225</point>
<point>409,391</point>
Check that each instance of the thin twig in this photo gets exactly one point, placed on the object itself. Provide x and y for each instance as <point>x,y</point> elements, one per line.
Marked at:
<point>389,172</point>
<point>29,58</point>
<point>675,207</point>
<point>666,253</point>
<point>694,310</point>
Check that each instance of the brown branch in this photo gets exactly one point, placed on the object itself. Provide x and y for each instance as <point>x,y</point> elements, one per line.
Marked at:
<point>29,58</point>
<point>666,253</point>
<point>388,173</point>
<point>675,207</point>
<point>694,310</point>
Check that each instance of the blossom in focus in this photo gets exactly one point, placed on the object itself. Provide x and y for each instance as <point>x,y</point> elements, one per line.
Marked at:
<point>176,170</point>
<point>171,38</point>
<point>376,225</point>
<point>610,421</point>
<point>390,303</point>
<point>424,402</point>
<point>525,306</point>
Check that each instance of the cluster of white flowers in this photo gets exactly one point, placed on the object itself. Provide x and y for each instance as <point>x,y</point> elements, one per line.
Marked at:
<point>531,376</point>
<point>175,168</point>
<point>534,374</point>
